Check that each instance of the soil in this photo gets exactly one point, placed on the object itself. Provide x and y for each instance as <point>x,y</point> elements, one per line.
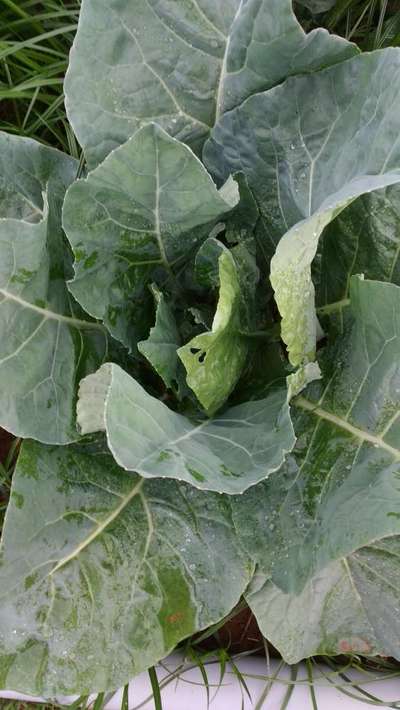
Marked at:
<point>5,443</point>
<point>238,635</point>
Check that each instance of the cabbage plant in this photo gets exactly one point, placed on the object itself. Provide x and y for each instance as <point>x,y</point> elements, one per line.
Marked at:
<point>200,346</point>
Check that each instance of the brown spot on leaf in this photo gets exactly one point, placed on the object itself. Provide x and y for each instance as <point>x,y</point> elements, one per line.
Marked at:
<point>174,618</point>
<point>354,645</point>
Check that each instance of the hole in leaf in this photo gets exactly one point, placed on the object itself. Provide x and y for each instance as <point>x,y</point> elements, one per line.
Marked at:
<point>202,357</point>
<point>194,351</point>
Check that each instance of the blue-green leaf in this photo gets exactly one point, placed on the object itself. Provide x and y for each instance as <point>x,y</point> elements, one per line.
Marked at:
<point>134,217</point>
<point>302,147</point>
<point>325,532</point>
<point>229,453</point>
<point>103,573</point>
<point>46,343</point>
<point>181,64</point>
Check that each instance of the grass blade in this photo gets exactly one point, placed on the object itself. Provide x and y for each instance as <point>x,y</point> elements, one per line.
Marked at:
<point>289,692</point>
<point>155,688</point>
<point>125,698</point>
<point>311,684</point>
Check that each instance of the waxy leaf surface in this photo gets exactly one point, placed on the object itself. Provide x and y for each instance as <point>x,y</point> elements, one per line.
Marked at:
<point>160,348</point>
<point>302,147</point>
<point>103,573</point>
<point>349,607</point>
<point>339,491</point>
<point>137,214</point>
<point>363,239</point>
<point>110,554</point>
<point>229,453</point>
<point>181,64</point>
<point>46,345</point>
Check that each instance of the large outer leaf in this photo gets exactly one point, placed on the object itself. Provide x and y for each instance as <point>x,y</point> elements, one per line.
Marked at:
<point>181,63</point>
<point>133,215</point>
<point>223,349</point>
<point>45,345</point>
<point>227,454</point>
<point>102,574</point>
<point>339,491</point>
<point>363,239</point>
<point>303,148</point>
<point>351,606</point>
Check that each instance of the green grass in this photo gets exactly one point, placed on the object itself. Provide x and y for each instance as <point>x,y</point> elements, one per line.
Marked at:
<point>373,24</point>
<point>35,39</point>
<point>6,471</point>
<point>14,705</point>
<point>320,672</point>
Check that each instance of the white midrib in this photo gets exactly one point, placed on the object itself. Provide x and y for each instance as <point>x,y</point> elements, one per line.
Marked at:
<point>99,529</point>
<point>170,444</point>
<point>208,21</point>
<point>157,224</point>
<point>221,86</point>
<point>222,76</point>
<point>223,73</point>
<point>49,315</point>
<point>162,82</point>
<point>303,403</point>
